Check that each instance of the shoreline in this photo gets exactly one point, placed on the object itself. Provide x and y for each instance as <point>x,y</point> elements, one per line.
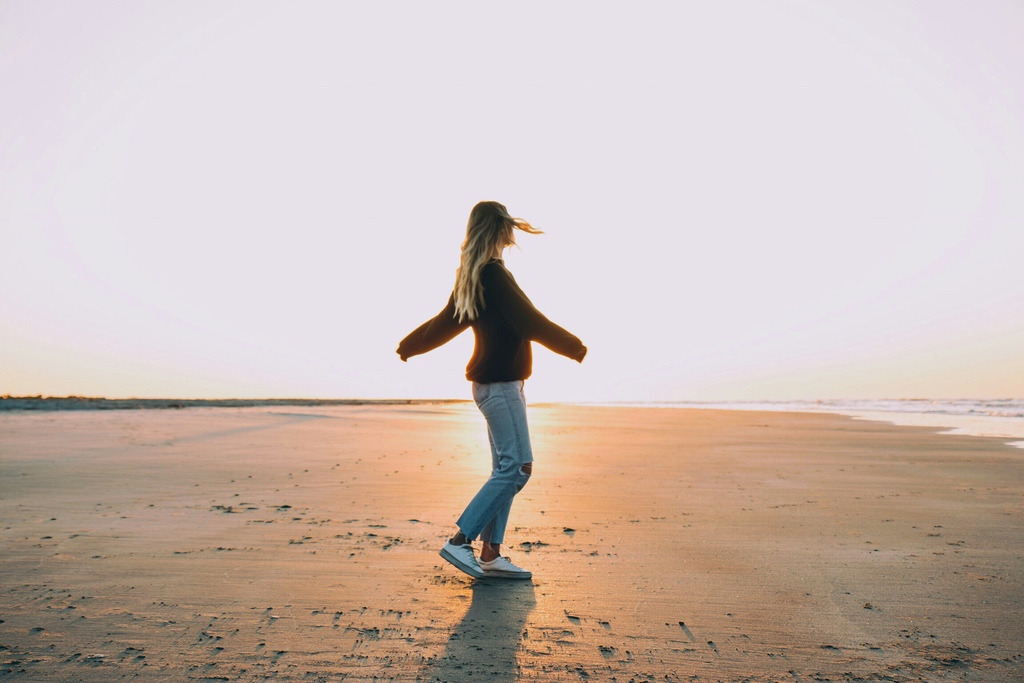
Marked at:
<point>1008,426</point>
<point>1005,424</point>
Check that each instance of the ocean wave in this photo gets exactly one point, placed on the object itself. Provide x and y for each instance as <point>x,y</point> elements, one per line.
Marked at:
<point>1004,407</point>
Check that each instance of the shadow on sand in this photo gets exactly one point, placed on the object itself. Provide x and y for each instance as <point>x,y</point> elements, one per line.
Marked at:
<point>484,644</point>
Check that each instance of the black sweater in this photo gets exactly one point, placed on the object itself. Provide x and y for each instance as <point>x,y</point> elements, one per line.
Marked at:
<point>503,331</point>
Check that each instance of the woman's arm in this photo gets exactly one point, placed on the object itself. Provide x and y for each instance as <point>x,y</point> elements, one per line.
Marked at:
<point>437,331</point>
<point>521,315</point>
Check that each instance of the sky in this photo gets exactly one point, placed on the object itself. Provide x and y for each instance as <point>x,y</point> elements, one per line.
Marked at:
<point>741,200</point>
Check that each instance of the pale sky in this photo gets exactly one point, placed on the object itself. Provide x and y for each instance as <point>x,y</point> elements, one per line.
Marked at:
<point>742,200</point>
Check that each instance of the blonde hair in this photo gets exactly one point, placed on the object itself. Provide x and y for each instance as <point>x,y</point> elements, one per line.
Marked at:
<point>490,226</point>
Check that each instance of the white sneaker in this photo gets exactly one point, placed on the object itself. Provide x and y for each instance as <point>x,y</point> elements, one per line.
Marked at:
<point>463,558</point>
<point>502,568</point>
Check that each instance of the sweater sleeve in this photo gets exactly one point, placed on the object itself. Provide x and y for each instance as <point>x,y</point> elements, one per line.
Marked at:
<point>519,313</point>
<point>436,332</point>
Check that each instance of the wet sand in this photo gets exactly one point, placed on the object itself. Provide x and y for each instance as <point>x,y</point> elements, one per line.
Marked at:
<point>300,543</point>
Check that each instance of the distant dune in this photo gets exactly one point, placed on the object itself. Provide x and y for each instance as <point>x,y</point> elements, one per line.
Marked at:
<point>100,403</point>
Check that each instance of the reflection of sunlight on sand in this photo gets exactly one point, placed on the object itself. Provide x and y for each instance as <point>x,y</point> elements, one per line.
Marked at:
<point>468,462</point>
<point>466,431</point>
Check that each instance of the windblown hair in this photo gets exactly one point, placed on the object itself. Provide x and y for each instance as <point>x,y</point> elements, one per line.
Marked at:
<point>490,226</point>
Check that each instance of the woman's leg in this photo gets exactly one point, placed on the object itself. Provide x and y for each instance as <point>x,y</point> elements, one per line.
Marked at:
<point>488,531</point>
<point>492,549</point>
<point>504,407</point>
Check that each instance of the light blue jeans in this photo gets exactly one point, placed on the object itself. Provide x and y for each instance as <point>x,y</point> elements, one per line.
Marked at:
<point>504,407</point>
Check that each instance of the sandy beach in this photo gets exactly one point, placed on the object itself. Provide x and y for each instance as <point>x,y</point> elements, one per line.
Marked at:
<point>300,544</point>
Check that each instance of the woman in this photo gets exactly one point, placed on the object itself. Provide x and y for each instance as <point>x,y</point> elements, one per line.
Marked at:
<point>504,323</point>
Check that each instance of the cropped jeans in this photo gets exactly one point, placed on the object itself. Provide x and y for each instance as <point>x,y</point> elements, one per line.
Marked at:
<point>504,407</point>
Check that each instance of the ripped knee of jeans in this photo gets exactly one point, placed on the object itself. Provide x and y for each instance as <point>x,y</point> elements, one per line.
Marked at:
<point>524,476</point>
